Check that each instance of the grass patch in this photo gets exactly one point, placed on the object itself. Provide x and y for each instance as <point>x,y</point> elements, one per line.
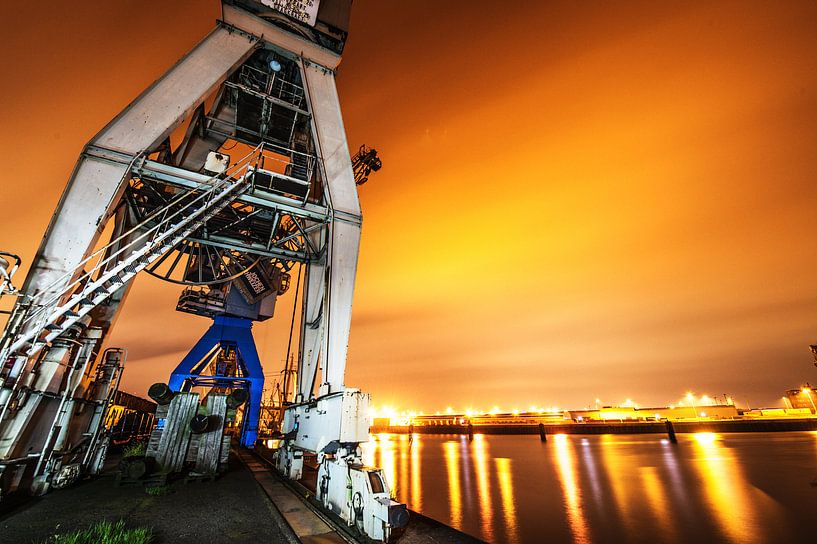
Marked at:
<point>105,532</point>
<point>158,490</point>
<point>137,449</point>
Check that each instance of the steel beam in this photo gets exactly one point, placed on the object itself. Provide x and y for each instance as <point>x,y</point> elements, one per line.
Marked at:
<point>344,228</point>
<point>185,179</point>
<point>95,186</point>
<point>256,249</point>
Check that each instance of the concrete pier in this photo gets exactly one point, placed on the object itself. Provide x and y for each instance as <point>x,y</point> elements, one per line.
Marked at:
<point>307,525</point>
<point>292,500</point>
<point>247,504</point>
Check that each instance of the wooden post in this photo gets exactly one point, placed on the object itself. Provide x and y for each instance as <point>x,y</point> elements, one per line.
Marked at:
<point>671,432</point>
<point>175,438</point>
<point>470,431</point>
<point>542,435</point>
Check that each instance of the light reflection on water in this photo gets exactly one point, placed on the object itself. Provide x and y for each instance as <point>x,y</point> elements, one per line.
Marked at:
<point>416,486</point>
<point>481,463</point>
<point>656,497</point>
<point>751,487</point>
<point>616,471</point>
<point>724,485</point>
<point>570,488</point>
<point>504,473</point>
<point>452,465</point>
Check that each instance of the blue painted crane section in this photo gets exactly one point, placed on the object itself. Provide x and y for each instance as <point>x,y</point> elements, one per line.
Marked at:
<point>226,334</point>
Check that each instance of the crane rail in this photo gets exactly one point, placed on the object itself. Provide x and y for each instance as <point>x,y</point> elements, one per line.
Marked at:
<point>302,494</point>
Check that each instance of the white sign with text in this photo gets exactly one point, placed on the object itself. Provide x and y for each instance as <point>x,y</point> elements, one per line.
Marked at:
<point>305,11</point>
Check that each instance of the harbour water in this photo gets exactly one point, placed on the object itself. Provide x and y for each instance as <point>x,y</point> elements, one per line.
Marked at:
<point>710,487</point>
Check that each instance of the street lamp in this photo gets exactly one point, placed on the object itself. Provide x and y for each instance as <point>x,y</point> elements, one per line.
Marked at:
<point>691,399</point>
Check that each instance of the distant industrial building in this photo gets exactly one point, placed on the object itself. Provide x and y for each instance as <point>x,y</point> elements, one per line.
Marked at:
<point>609,413</point>
<point>621,413</point>
<point>800,403</point>
<point>803,398</point>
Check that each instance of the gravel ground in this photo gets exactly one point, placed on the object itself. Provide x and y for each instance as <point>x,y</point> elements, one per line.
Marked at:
<point>233,509</point>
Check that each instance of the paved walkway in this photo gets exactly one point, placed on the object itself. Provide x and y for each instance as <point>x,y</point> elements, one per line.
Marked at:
<point>233,509</point>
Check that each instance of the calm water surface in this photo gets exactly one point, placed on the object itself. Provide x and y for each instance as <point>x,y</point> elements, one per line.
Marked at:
<point>710,487</point>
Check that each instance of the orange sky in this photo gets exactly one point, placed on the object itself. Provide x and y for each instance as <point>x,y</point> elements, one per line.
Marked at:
<point>577,201</point>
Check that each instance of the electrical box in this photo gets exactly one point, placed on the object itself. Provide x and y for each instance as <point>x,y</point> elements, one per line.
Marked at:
<point>342,417</point>
<point>217,163</point>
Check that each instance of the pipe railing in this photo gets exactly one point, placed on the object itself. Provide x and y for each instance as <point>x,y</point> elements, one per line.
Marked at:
<point>64,285</point>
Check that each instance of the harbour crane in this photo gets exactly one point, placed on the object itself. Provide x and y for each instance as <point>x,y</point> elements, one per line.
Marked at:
<point>259,193</point>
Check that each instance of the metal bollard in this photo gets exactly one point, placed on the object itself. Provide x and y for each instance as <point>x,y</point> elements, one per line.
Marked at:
<point>671,432</point>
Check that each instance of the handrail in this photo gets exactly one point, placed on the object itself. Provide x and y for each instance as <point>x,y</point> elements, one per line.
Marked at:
<point>162,211</point>
<point>122,265</point>
<point>269,82</point>
<point>58,291</point>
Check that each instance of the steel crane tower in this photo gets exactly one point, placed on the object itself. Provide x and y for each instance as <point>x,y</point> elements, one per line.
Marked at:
<point>226,175</point>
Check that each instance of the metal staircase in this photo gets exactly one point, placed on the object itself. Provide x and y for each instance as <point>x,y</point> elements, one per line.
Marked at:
<point>74,295</point>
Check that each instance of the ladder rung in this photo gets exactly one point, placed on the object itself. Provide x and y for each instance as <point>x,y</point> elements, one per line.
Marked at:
<point>83,301</point>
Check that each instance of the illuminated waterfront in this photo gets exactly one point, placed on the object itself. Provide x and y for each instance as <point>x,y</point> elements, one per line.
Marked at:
<point>741,487</point>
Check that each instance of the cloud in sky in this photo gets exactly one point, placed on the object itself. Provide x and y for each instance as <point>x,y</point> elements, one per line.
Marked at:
<point>577,201</point>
